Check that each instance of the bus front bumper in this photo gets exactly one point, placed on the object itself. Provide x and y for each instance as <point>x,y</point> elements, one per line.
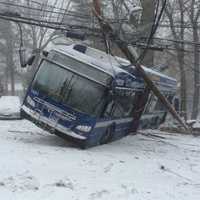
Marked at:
<point>47,124</point>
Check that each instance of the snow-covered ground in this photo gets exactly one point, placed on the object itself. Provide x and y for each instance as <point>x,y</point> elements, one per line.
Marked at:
<point>35,165</point>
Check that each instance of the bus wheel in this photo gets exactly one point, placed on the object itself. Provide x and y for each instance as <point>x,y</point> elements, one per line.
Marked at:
<point>108,135</point>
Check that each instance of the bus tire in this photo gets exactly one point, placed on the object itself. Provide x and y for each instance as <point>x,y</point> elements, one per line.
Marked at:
<point>108,135</point>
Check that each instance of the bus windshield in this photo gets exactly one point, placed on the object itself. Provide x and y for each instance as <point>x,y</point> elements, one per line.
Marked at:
<point>70,89</point>
<point>80,67</point>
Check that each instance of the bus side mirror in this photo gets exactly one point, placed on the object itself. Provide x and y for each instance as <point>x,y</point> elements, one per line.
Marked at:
<point>22,58</point>
<point>25,58</point>
<point>30,60</point>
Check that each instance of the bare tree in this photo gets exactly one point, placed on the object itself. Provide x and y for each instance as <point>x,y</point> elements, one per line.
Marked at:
<point>7,51</point>
<point>175,12</point>
<point>41,36</point>
<point>193,9</point>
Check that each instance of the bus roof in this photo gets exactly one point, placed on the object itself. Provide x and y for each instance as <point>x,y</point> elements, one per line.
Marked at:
<point>112,65</point>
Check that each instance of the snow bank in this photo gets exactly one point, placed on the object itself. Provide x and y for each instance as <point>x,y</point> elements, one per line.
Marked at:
<point>197,125</point>
<point>9,107</point>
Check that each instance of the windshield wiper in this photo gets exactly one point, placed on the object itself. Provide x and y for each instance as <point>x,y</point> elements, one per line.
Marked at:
<point>67,89</point>
<point>63,87</point>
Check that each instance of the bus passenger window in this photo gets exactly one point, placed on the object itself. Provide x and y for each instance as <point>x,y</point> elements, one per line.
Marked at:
<point>159,106</point>
<point>151,104</point>
<point>118,110</point>
<point>170,98</point>
<point>123,106</point>
<point>155,105</point>
<point>109,109</point>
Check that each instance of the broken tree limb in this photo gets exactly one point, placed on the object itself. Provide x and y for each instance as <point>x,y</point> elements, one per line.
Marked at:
<point>129,52</point>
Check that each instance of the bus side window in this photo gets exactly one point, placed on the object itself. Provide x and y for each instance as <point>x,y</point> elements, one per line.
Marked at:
<point>123,106</point>
<point>155,105</point>
<point>151,104</point>
<point>170,98</point>
<point>176,104</point>
<point>118,111</point>
<point>109,109</point>
<point>159,105</point>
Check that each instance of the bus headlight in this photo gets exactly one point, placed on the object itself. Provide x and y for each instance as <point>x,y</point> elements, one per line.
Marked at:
<point>30,101</point>
<point>84,128</point>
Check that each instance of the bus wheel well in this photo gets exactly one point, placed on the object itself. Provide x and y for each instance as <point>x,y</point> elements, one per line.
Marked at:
<point>108,135</point>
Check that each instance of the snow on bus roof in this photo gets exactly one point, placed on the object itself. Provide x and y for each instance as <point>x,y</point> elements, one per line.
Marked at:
<point>107,63</point>
<point>90,56</point>
<point>120,62</point>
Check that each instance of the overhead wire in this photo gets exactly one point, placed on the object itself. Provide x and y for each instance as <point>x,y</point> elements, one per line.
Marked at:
<point>66,26</point>
<point>154,28</point>
<point>43,10</point>
<point>177,41</point>
<point>166,42</point>
<point>44,23</point>
<point>74,14</point>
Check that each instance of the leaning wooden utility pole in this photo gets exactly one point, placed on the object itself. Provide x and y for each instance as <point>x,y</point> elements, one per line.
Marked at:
<point>129,52</point>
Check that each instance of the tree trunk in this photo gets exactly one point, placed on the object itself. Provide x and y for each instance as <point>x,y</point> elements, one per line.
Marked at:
<point>12,78</point>
<point>6,81</point>
<point>10,57</point>
<point>179,34</point>
<point>11,73</point>
<point>183,86</point>
<point>195,108</point>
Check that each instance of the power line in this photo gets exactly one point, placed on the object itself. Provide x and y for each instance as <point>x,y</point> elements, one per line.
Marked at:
<point>179,26</point>
<point>66,14</point>
<point>159,47</point>
<point>178,41</point>
<point>66,27</point>
<point>174,41</point>
<point>34,22</point>
<point>178,49</point>
<point>40,4</point>
<point>50,25</point>
<point>62,26</point>
<point>156,21</point>
<point>78,15</point>
<point>69,13</point>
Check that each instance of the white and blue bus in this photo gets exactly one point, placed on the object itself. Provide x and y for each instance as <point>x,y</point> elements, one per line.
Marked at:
<point>93,98</point>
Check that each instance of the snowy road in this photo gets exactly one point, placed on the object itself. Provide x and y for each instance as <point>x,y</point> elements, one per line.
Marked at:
<point>37,166</point>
